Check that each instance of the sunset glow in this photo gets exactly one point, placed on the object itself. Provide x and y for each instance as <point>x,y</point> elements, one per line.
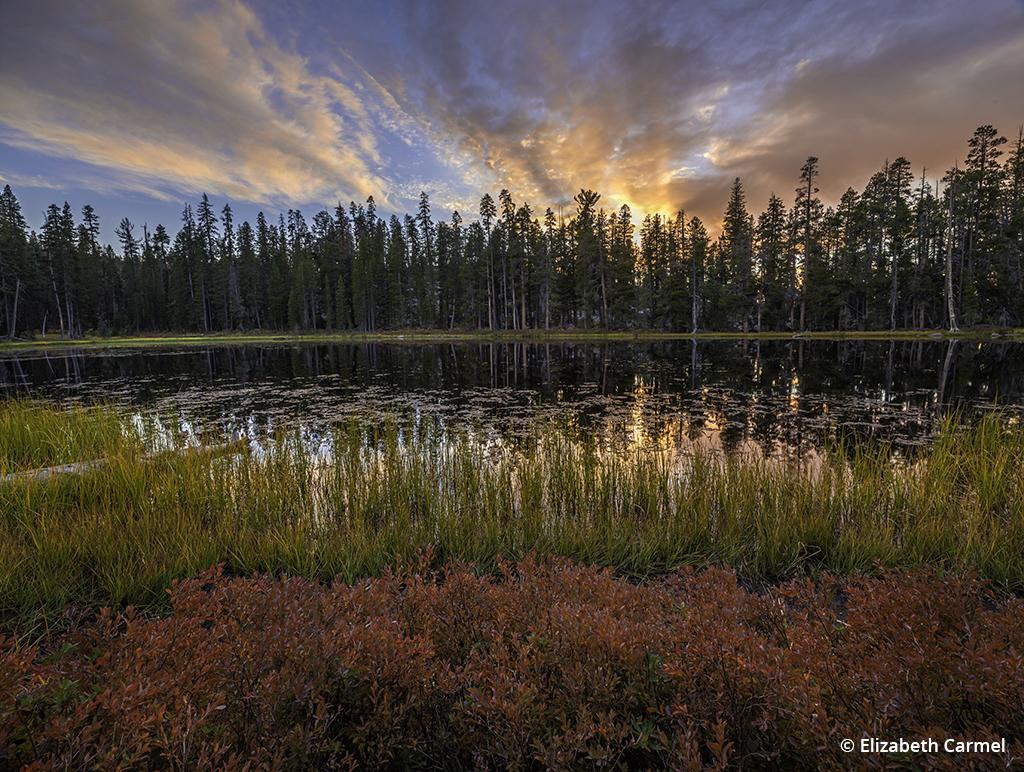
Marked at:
<point>275,105</point>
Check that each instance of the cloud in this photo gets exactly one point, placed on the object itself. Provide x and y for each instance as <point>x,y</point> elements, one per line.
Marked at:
<point>179,97</point>
<point>661,107</point>
<point>572,97</point>
<point>920,93</point>
<point>29,181</point>
<point>658,106</point>
<point>98,181</point>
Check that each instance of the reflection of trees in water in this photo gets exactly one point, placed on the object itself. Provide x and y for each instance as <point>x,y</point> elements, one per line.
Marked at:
<point>947,365</point>
<point>771,395</point>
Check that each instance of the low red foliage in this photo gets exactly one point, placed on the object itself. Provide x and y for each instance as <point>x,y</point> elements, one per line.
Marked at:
<point>545,666</point>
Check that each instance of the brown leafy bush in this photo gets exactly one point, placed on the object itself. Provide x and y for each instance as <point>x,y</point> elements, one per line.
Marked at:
<point>546,665</point>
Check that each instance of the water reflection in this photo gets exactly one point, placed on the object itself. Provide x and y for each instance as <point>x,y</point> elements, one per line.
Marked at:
<point>772,397</point>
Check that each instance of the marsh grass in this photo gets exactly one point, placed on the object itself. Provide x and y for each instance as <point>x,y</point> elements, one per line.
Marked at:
<point>363,498</point>
<point>36,434</point>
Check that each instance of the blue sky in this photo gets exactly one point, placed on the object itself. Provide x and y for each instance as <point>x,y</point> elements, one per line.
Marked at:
<point>137,107</point>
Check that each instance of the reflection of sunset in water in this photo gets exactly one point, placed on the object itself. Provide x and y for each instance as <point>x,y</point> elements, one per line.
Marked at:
<point>731,397</point>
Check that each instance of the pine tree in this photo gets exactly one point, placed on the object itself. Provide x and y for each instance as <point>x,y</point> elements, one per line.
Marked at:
<point>425,269</point>
<point>487,215</point>
<point>812,287</point>
<point>588,255</point>
<point>621,267</point>
<point>698,253</point>
<point>234,306</point>
<point>736,247</point>
<point>1015,224</point>
<point>988,271</point>
<point>396,300</point>
<point>205,247</point>
<point>131,259</point>
<point>15,283</point>
<point>677,280</point>
<point>772,262</point>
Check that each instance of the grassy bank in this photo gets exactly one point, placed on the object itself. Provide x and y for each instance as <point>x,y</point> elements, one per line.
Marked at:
<point>352,502</point>
<point>483,336</point>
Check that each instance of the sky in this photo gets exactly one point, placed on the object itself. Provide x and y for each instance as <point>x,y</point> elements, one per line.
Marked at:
<point>137,107</point>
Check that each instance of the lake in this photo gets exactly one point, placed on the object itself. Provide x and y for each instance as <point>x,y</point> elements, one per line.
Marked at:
<point>770,397</point>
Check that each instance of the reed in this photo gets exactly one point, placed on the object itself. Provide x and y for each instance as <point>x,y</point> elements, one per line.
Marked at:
<point>35,434</point>
<point>356,499</point>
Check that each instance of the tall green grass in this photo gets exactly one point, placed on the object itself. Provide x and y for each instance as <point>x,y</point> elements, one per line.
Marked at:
<point>36,434</point>
<point>365,497</point>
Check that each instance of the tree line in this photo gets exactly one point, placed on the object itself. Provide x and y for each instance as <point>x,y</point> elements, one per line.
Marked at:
<point>901,253</point>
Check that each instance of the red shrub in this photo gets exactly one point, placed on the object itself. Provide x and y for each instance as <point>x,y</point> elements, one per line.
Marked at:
<point>544,666</point>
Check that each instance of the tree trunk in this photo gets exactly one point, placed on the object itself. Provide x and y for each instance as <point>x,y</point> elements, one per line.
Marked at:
<point>12,321</point>
<point>60,312</point>
<point>490,289</point>
<point>504,291</point>
<point>950,303</point>
<point>604,301</point>
<point>693,294</point>
<point>893,291</point>
<point>522,296</point>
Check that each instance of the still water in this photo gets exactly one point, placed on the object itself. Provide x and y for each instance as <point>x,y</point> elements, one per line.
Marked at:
<point>771,397</point>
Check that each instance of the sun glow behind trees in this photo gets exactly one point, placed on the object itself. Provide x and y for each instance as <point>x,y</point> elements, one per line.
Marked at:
<point>902,253</point>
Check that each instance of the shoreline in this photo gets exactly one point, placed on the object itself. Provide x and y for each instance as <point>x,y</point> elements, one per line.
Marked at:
<point>505,336</point>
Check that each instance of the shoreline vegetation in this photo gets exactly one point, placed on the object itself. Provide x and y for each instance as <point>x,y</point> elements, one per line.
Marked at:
<point>350,501</point>
<point>540,336</point>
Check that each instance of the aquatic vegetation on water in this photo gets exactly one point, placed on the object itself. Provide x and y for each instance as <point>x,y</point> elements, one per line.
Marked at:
<point>784,397</point>
<point>352,501</point>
